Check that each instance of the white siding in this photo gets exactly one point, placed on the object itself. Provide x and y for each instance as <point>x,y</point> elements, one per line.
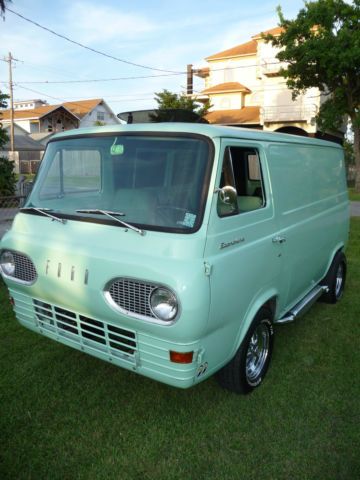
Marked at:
<point>99,113</point>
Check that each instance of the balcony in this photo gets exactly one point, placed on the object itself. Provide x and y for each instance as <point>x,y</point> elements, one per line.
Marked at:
<point>269,67</point>
<point>289,113</point>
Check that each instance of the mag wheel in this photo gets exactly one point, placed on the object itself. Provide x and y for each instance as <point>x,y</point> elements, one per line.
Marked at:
<point>247,369</point>
<point>257,353</point>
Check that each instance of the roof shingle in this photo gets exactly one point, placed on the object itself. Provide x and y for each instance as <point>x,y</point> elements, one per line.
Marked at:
<point>245,115</point>
<point>227,87</point>
<point>273,31</point>
<point>80,108</point>
<point>248,48</point>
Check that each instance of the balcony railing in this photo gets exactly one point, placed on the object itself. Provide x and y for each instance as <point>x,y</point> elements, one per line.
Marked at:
<point>269,67</point>
<point>289,113</point>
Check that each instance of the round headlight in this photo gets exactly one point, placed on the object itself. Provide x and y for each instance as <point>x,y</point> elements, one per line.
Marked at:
<point>163,304</point>
<point>7,263</point>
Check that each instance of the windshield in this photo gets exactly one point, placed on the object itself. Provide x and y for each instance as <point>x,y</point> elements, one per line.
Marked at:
<point>156,182</point>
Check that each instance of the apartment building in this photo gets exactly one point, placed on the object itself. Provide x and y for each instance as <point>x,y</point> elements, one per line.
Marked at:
<point>245,89</point>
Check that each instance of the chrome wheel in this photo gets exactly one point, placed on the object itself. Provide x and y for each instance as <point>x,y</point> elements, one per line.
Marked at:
<point>257,352</point>
<point>339,281</point>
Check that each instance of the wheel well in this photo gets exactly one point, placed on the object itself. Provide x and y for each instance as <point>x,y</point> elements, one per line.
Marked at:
<point>271,305</point>
<point>338,251</point>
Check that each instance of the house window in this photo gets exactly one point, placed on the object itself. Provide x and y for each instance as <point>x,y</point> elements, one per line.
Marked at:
<point>100,116</point>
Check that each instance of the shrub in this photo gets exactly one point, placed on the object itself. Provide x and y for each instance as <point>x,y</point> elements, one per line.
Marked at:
<point>7,177</point>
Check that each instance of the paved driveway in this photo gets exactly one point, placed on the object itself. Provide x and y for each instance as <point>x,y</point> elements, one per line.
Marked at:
<point>355,209</point>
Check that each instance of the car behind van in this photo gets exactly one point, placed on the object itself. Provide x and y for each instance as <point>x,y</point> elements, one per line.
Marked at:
<point>172,250</point>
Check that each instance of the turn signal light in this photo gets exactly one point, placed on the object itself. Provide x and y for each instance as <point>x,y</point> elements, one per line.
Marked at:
<point>181,357</point>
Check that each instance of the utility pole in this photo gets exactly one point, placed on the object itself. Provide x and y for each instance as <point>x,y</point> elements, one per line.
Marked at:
<point>189,79</point>
<point>12,143</point>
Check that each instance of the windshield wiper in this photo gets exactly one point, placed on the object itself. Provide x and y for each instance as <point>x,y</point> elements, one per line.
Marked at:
<point>43,211</point>
<point>113,216</point>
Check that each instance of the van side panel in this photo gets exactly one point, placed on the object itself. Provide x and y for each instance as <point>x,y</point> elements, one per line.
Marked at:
<point>246,267</point>
<point>311,203</point>
<point>307,205</point>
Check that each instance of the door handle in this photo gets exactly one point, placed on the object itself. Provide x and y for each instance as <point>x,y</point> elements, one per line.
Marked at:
<point>279,239</point>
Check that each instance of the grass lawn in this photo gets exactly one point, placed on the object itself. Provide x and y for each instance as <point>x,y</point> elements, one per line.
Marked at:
<point>353,196</point>
<point>65,415</point>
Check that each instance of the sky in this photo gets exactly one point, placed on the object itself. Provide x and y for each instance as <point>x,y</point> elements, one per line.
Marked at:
<point>162,35</point>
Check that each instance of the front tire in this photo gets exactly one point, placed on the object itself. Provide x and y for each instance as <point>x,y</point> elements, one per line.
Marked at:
<point>247,369</point>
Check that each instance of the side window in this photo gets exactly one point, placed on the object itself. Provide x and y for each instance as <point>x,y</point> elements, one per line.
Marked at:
<point>241,187</point>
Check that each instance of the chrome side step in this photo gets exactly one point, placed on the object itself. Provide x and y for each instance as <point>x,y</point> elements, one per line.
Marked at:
<point>303,306</point>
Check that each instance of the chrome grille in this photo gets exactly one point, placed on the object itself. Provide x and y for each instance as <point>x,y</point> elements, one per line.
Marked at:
<point>132,296</point>
<point>85,330</point>
<point>24,268</point>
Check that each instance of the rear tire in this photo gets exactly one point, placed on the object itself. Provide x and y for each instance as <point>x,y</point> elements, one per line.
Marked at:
<point>247,369</point>
<point>335,279</point>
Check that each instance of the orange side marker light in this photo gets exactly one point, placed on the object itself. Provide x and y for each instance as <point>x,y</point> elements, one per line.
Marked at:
<point>181,357</point>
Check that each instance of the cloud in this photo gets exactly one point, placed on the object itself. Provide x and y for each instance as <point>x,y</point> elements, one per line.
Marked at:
<point>33,50</point>
<point>92,23</point>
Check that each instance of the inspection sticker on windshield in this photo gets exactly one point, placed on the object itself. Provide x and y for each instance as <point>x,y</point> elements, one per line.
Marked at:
<point>117,149</point>
<point>189,220</point>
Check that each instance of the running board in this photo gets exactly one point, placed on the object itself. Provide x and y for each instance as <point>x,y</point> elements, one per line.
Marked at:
<point>303,306</point>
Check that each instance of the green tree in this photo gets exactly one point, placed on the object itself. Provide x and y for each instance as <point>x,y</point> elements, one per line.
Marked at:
<point>349,153</point>
<point>178,107</point>
<point>7,175</point>
<point>3,135</point>
<point>3,7</point>
<point>322,49</point>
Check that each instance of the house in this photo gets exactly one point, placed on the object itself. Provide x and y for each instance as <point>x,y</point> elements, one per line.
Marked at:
<point>92,112</point>
<point>44,118</point>
<point>28,152</point>
<point>29,104</point>
<point>245,89</point>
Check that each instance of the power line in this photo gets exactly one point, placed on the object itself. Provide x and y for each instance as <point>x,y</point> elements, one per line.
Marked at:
<point>95,80</point>
<point>87,47</point>
<point>36,91</point>
<point>50,69</point>
<point>269,88</point>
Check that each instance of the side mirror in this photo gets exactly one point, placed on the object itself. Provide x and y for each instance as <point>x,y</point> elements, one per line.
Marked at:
<point>227,200</point>
<point>228,195</point>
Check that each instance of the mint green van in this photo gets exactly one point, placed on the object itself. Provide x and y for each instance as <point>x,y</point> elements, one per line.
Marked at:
<point>172,250</point>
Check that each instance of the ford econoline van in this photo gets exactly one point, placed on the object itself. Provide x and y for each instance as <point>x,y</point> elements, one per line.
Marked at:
<point>172,249</point>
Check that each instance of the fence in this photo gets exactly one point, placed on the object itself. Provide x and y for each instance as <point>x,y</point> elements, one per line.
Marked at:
<point>9,207</point>
<point>10,204</point>
<point>29,166</point>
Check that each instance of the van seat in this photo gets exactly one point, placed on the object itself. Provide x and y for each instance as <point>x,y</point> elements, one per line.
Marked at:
<point>246,204</point>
